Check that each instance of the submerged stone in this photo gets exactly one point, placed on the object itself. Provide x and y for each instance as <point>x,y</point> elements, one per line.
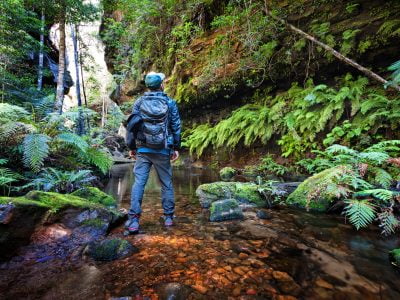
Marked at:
<point>223,210</point>
<point>243,192</point>
<point>394,257</point>
<point>227,173</point>
<point>173,291</point>
<point>94,195</point>
<point>110,249</point>
<point>261,214</point>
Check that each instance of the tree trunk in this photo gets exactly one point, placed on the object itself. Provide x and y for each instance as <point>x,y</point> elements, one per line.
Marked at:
<point>82,77</point>
<point>61,59</point>
<point>81,125</point>
<point>335,53</point>
<point>40,68</point>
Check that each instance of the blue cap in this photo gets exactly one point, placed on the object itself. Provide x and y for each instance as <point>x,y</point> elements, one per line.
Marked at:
<point>154,80</point>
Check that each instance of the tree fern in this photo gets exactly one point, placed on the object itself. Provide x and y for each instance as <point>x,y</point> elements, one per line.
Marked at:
<point>74,140</point>
<point>360,212</point>
<point>35,150</point>
<point>98,158</point>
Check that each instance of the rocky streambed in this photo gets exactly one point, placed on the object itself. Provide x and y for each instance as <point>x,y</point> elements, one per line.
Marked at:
<point>267,254</point>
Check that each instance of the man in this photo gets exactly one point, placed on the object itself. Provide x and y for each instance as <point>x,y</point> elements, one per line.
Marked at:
<point>157,142</point>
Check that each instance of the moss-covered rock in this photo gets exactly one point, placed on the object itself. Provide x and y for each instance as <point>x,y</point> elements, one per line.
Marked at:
<point>243,192</point>
<point>227,173</point>
<point>320,190</point>
<point>110,249</point>
<point>394,257</point>
<point>223,210</point>
<point>94,195</point>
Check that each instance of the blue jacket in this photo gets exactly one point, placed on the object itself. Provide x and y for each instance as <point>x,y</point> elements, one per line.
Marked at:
<point>174,120</point>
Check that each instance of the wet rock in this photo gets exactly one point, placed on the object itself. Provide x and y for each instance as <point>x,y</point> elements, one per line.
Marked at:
<point>200,288</point>
<point>6,213</point>
<point>227,173</point>
<point>324,198</point>
<point>173,291</point>
<point>262,214</point>
<point>394,257</point>
<point>286,283</point>
<point>110,249</point>
<point>245,193</point>
<point>223,210</point>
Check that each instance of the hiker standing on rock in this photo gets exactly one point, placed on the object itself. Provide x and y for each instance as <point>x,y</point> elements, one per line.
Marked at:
<point>154,137</point>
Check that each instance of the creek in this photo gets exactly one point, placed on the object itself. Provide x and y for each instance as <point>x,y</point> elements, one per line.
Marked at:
<point>292,254</point>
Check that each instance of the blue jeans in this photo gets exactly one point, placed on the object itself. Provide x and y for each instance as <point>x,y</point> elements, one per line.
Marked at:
<point>163,167</point>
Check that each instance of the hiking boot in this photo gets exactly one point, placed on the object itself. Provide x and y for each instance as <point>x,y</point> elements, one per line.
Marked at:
<point>169,220</point>
<point>132,225</point>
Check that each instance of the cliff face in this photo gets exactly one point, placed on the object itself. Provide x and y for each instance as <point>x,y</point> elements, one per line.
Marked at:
<point>222,51</point>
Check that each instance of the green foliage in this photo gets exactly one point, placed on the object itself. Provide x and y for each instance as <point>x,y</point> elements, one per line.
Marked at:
<point>395,77</point>
<point>98,158</point>
<point>268,166</point>
<point>73,140</point>
<point>7,177</point>
<point>53,180</point>
<point>390,28</point>
<point>35,150</point>
<point>348,41</point>
<point>360,212</point>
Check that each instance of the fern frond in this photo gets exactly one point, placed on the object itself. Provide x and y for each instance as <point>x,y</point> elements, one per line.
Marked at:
<point>99,158</point>
<point>376,158</point>
<point>341,149</point>
<point>381,194</point>
<point>12,112</point>
<point>388,222</point>
<point>73,140</point>
<point>382,177</point>
<point>360,212</point>
<point>36,149</point>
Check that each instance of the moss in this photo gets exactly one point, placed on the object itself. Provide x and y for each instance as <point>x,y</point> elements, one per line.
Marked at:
<point>227,209</point>
<point>21,201</point>
<point>320,188</point>
<point>98,223</point>
<point>227,173</point>
<point>111,249</point>
<point>249,192</point>
<point>394,257</point>
<point>57,201</point>
<point>221,189</point>
<point>94,195</point>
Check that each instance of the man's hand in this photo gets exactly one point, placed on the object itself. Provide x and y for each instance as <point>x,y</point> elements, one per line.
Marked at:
<point>174,156</point>
<point>132,154</point>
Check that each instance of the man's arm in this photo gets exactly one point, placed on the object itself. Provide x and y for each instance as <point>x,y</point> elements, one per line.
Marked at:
<point>175,125</point>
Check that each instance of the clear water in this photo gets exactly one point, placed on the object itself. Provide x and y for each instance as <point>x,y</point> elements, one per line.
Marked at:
<point>305,255</point>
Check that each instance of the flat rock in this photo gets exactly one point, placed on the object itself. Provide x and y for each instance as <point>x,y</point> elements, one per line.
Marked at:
<point>110,249</point>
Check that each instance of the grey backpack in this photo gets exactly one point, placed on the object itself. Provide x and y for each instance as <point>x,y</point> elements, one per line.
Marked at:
<point>154,112</point>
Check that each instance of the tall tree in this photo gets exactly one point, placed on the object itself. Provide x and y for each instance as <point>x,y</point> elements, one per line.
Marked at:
<point>41,50</point>
<point>81,125</point>
<point>61,57</point>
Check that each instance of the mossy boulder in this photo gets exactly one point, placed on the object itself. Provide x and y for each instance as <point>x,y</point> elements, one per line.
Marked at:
<point>394,257</point>
<point>319,191</point>
<point>94,195</point>
<point>242,192</point>
<point>110,249</point>
<point>223,210</point>
<point>227,173</point>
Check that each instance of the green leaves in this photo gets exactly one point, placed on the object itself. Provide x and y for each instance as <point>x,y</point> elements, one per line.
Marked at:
<point>74,140</point>
<point>360,212</point>
<point>98,158</point>
<point>35,150</point>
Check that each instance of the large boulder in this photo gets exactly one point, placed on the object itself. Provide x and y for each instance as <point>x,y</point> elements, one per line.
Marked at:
<point>110,249</point>
<point>242,192</point>
<point>223,210</point>
<point>227,173</point>
<point>38,216</point>
<point>319,191</point>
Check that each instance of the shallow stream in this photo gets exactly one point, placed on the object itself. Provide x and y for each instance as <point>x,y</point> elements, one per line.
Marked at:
<point>293,254</point>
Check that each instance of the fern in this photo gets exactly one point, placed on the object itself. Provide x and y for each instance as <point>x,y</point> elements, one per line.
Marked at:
<point>382,177</point>
<point>390,28</point>
<point>396,72</point>
<point>35,150</point>
<point>360,212</point>
<point>381,194</point>
<point>73,140</point>
<point>12,112</point>
<point>388,222</point>
<point>98,158</point>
